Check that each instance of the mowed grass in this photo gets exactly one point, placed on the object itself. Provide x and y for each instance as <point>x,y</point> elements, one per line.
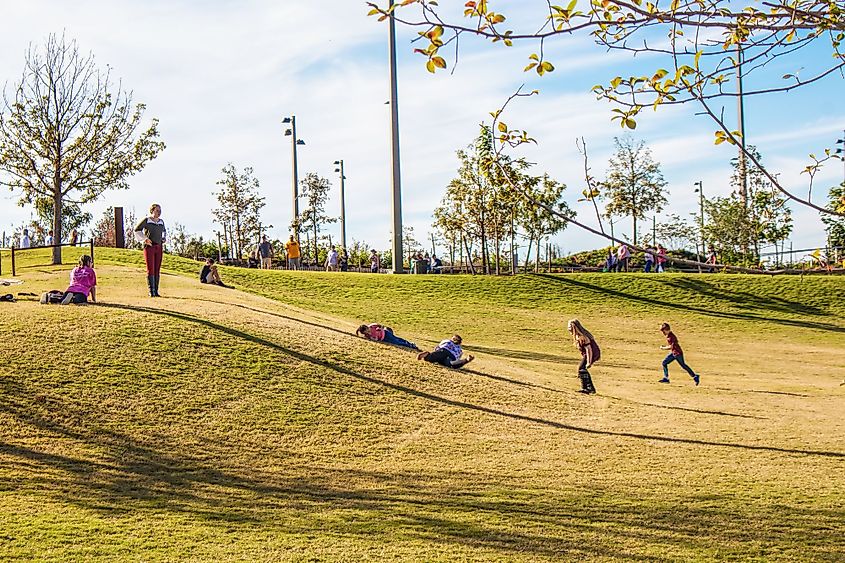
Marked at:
<point>220,424</point>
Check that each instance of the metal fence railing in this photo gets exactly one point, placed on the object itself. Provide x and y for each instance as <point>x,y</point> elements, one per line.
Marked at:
<point>15,253</point>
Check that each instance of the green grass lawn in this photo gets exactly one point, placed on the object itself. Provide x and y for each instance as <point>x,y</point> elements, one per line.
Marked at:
<point>252,425</point>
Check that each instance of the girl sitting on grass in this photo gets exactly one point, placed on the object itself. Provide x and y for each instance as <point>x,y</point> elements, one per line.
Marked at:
<point>83,282</point>
<point>590,353</point>
<point>381,333</point>
<point>675,354</point>
<point>448,354</point>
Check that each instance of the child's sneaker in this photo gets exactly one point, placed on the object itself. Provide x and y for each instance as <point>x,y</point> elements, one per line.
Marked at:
<point>67,299</point>
<point>664,380</point>
<point>44,298</point>
<point>696,379</point>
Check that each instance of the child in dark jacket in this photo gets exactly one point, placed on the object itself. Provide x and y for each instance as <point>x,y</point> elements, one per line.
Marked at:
<point>590,354</point>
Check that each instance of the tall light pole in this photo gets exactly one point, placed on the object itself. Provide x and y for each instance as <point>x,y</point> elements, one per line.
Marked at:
<point>740,110</point>
<point>398,267</point>
<point>841,151</point>
<point>291,132</point>
<point>339,164</point>
<point>700,191</point>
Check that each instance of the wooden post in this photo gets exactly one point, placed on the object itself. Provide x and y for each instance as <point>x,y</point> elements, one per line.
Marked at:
<point>119,235</point>
<point>13,261</point>
<point>92,250</point>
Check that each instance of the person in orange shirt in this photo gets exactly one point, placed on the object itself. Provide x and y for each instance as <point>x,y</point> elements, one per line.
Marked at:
<point>293,252</point>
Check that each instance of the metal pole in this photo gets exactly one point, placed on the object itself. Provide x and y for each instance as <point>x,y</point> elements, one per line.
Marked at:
<point>398,267</point>
<point>342,207</point>
<point>295,192</point>
<point>743,179</point>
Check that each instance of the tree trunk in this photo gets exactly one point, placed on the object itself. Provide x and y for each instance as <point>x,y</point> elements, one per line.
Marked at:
<point>498,246</point>
<point>469,257</point>
<point>537,261</point>
<point>528,252</point>
<point>57,226</point>
<point>635,230</point>
<point>316,248</point>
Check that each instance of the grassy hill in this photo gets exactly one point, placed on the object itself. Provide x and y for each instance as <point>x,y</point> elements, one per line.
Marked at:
<point>251,425</point>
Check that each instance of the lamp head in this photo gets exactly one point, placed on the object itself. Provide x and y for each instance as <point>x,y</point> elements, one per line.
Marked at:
<point>286,120</point>
<point>288,132</point>
<point>337,169</point>
<point>336,162</point>
<point>300,142</point>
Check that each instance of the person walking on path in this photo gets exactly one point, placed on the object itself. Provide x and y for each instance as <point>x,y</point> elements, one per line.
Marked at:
<point>293,252</point>
<point>332,260</point>
<point>74,236</point>
<point>590,354</point>
<point>675,355</point>
<point>381,333</point>
<point>448,354</point>
<point>152,234</point>
<point>623,255</point>
<point>649,259</point>
<point>375,261</point>
<point>661,259</point>
<point>265,251</point>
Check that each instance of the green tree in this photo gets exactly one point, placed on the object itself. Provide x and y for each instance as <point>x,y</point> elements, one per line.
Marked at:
<point>835,226</point>
<point>315,191</point>
<point>696,49</point>
<point>634,184</point>
<point>72,216</point>
<point>67,133</point>
<point>240,206</point>
<point>543,213</point>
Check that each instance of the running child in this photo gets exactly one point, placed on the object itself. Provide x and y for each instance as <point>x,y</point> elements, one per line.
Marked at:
<point>675,354</point>
<point>590,354</point>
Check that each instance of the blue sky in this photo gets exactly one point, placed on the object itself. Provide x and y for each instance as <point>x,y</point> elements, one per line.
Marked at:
<point>221,75</point>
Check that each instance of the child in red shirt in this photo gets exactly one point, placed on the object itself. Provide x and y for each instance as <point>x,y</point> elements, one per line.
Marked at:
<point>675,354</point>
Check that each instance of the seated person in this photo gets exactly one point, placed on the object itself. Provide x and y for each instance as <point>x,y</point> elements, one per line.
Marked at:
<point>209,274</point>
<point>381,333</point>
<point>448,354</point>
<point>83,282</point>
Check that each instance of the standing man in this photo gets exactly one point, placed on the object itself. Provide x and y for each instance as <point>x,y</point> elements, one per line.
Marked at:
<point>293,252</point>
<point>49,240</point>
<point>25,240</point>
<point>331,260</point>
<point>265,251</point>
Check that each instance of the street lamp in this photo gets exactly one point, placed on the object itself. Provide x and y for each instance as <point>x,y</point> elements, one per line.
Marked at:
<point>339,164</point>
<point>398,267</point>
<point>700,191</point>
<point>841,151</point>
<point>291,132</point>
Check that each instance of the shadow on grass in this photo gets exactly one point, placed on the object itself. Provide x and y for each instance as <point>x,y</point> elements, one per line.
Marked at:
<point>455,403</point>
<point>490,513</point>
<point>616,294</point>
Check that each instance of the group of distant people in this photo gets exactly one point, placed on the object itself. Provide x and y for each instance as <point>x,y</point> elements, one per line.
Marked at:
<point>49,239</point>
<point>654,259</point>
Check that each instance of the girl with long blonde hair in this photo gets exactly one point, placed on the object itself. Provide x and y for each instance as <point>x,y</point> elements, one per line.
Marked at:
<point>590,354</point>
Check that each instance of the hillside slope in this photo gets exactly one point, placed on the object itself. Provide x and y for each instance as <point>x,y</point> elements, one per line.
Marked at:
<point>214,424</point>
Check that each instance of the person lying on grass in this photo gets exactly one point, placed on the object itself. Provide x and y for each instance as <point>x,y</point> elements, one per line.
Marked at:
<point>448,354</point>
<point>381,333</point>
<point>209,274</point>
<point>83,282</point>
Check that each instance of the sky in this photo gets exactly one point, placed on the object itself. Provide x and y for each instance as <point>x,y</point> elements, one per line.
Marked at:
<point>220,75</point>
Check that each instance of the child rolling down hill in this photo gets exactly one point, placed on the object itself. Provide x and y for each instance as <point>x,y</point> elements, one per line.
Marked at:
<point>675,354</point>
<point>590,353</point>
<point>380,333</point>
<point>448,354</point>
